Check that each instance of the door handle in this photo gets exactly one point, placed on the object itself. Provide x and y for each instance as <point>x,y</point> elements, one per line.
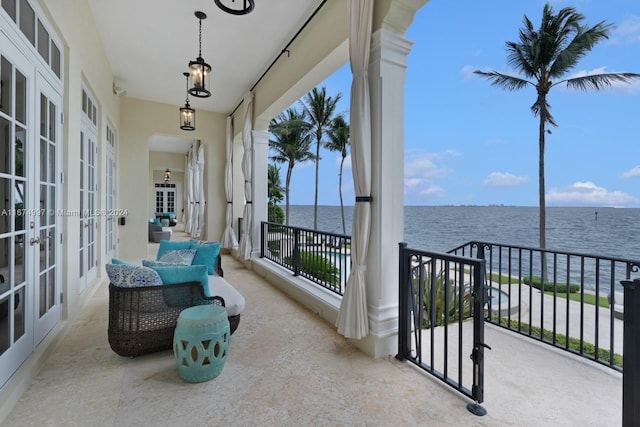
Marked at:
<point>34,240</point>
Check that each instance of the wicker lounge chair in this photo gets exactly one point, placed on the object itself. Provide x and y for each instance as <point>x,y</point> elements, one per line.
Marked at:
<point>143,319</point>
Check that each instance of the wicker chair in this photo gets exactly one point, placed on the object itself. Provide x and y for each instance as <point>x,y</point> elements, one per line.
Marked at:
<point>143,319</point>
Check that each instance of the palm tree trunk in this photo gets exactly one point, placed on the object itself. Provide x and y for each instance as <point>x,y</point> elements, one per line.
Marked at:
<point>286,193</point>
<point>542,202</point>
<point>315,203</point>
<point>344,227</point>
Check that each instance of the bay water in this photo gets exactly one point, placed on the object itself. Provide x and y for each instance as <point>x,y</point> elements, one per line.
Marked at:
<point>613,232</point>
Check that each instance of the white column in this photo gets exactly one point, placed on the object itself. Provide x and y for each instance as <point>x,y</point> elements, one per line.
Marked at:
<point>386,82</point>
<point>260,183</point>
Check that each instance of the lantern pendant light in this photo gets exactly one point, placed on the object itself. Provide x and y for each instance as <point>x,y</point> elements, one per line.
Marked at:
<point>200,70</point>
<point>187,114</point>
<point>167,175</point>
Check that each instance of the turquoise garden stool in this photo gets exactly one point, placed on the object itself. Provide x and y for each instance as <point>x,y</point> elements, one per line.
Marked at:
<point>201,342</point>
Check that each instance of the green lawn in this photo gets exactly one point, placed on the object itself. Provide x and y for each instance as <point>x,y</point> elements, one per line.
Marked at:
<point>573,296</point>
<point>561,340</point>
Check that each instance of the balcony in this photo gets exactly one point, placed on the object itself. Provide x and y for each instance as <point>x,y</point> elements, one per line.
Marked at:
<point>287,366</point>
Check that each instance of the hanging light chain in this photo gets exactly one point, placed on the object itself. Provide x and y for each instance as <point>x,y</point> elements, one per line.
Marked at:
<point>200,40</point>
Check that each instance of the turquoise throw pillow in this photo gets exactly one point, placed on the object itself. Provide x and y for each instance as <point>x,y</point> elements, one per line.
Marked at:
<point>170,245</point>
<point>182,274</point>
<point>120,261</point>
<point>206,254</point>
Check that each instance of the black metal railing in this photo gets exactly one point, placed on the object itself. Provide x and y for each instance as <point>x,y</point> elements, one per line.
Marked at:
<point>438,293</point>
<point>323,258</point>
<point>572,301</point>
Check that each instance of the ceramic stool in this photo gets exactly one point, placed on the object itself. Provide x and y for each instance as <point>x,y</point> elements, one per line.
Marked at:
<point>201,342</point>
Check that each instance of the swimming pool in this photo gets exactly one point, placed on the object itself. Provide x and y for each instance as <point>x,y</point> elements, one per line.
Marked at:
<point>499,302</point>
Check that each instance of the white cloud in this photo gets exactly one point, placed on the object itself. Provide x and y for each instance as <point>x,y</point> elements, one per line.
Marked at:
<point>422,169</point>
<point>505,179</point>
<point>632,173</point>
<point>589,194</point>
<point>432,191</point>
<point>627,32</point>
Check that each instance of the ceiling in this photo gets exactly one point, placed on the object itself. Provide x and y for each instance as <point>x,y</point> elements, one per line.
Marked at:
<point>149,44</point>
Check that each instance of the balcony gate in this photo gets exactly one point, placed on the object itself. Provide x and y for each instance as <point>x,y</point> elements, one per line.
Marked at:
<point>441,319</point>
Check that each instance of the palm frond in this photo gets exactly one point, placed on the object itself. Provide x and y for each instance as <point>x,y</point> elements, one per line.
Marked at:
<point>519,58</point>
<point>504,81</point>
<point>537,109</point>
<point>599,81</point>
<point>581,44</point>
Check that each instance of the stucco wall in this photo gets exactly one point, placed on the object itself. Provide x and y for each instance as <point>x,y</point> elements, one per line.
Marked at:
<point>140,121</point>
<point>85,63</point>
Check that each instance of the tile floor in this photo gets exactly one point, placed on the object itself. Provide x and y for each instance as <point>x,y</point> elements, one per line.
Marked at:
<point>287,367</point>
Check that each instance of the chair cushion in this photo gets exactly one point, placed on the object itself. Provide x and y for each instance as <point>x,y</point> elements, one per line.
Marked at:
<point>233,300</point>
<point>178,256</point>
<point>119,261</point>
<point>131,276</point>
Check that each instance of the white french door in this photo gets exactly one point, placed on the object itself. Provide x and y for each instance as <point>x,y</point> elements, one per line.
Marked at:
<point>29,234</point>
<point>165,197</point>
<point>88,218</point>
<point>110,194</point>
<point>47,235</point>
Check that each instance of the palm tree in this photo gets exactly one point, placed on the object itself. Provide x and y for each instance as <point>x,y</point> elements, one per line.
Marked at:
<point>274,184</point>
<point>543,57</point>
<point>274,194</point>
<point>291,144</point>
<point>320,110</point>
<point>338,135</point>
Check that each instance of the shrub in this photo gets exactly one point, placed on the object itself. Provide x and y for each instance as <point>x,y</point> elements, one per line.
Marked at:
<point>274,247</point>
<point>561,340</point>
<point>443,293</point>
<point>318,266</point>
<point>549,286</point>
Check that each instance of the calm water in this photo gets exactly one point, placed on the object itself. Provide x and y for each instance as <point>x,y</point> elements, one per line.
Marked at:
<point>615,232</point>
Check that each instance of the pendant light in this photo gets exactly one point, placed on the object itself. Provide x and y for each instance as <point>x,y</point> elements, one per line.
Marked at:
<point>247,6</point>
<point>200,70</point>
<point>187,114</point>
<point>167,175</point>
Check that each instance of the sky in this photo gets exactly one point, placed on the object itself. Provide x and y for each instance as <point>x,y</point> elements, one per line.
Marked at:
<point>470,143</point>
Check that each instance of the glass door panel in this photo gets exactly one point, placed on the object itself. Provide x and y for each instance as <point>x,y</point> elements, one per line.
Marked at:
<point>48,305</point>
<point>17,197</point>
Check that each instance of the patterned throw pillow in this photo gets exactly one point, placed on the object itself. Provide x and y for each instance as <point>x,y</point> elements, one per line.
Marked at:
<point>171,245</point>
<point>178,256</point>
<point>132,276</point>
<point>152,263</point>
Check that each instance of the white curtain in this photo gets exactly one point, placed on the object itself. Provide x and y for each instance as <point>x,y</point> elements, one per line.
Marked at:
<point>188,226</point>
<point>353,321</point>
<point>247,169</point>
<point>185,193</point>
<point>229,239</point>
<point>200,204</point>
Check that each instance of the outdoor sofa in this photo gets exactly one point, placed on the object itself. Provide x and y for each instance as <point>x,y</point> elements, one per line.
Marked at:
<point>146,300</point>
